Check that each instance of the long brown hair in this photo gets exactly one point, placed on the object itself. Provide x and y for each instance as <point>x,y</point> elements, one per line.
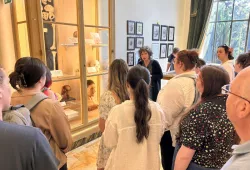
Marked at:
<point>117,79</point>
<point>139,80</point>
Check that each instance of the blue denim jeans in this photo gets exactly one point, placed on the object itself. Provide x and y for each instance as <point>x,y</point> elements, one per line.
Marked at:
<point>191,166</point>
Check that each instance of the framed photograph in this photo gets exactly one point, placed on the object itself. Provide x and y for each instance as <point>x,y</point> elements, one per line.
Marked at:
<point>130,43</point>
<point>164,33</point>
<point>130,58</point>
<point>139,28</point>
<point>163,50</point>
<point>171,33</point>
<point>130,28</point>
<point>156,50</point>
<point>139,42</point>
<point>155,32</point>
<point>170,48</point>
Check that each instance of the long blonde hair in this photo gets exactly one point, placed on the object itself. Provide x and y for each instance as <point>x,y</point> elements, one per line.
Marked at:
<point>118,71</point>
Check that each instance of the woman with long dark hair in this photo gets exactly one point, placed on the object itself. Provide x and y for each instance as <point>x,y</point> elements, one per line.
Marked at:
<point>206,134</point>
<point>135,127</point>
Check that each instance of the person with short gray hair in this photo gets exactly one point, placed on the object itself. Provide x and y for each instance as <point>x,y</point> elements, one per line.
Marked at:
<point>238,112</point>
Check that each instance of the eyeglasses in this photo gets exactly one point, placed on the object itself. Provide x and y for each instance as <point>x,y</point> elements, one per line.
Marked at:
<point>226,90</point>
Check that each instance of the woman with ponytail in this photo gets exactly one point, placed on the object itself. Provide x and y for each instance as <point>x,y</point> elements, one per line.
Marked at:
<point>134,128</point>
<point>224,54</point>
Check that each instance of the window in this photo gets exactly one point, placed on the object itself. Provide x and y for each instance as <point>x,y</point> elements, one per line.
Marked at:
<point>229,24</point>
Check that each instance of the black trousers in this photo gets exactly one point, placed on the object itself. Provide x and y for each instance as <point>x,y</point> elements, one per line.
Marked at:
<point>167,151</point>
<point>64,167</point>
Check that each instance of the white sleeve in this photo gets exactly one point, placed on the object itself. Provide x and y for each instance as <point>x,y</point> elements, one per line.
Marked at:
<point>110,133</point>
<point>171,100</point>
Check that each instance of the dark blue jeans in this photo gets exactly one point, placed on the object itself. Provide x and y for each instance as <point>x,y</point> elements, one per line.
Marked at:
<point>191,166</point>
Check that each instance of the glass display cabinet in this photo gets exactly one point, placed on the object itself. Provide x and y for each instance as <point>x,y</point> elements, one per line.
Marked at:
<point>74,38</point>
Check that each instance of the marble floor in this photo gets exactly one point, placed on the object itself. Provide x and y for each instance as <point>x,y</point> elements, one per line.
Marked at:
<point>84,157</point>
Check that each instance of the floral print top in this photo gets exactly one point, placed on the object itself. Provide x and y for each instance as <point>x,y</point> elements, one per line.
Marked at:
<point>207,130</point>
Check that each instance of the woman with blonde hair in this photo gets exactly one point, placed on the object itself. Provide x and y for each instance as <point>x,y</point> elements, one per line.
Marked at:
<point>116,94</point>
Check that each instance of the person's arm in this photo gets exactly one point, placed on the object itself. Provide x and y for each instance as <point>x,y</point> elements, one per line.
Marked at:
<point>193,135</point>
<point>105,106</point>
<point>183,158</point>
<point>171,100</point>
<point>168,66</point>
<point>110,133</point>
<point>156,71</point>
<point>43,158</point>
<point>60,128</point>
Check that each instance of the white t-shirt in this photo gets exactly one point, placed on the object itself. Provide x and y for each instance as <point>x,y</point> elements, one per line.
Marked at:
<point>120,134</point>
<point>229,67</point>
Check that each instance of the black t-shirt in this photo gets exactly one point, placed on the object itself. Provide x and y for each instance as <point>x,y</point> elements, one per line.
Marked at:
<point>25,148</point>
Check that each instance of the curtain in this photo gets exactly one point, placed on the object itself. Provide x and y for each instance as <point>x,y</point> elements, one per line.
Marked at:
<point>198,18</point>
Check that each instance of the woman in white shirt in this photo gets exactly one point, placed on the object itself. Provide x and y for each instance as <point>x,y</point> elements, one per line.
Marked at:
<point>224,54</point>
<point>135,127</point>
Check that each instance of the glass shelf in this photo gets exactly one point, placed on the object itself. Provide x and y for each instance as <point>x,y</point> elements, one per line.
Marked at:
<point>97,73</point>
<point>64,77</point>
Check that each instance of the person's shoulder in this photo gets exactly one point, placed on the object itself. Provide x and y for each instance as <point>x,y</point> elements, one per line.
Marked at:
<point>18,132</point>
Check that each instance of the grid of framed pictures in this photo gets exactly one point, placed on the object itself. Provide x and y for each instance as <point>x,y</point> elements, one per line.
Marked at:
<point>162,32</point>
<point>134,39</point>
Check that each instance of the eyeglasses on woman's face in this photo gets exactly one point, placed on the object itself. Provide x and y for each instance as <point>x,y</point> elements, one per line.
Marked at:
<point>226,90</point>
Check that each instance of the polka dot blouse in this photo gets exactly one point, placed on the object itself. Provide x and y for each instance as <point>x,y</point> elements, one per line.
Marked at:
<point>207,130</point>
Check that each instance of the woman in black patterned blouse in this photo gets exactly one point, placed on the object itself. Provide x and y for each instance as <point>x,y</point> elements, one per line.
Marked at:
<point>206,135</point>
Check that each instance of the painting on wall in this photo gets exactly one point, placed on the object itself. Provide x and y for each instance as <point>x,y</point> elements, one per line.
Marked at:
<point>139,42</point>
<point>171,33</point>
<point>170,48</point>
<point>139,28</point>
<point>130,43</point>
<point>163,50</point>
<point>155,32</point>
<point>130,28</point>
<point>164,32</point>
<point>130,58</point>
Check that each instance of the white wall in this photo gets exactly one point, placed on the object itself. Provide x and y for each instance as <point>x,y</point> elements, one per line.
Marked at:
<point>165,12</point>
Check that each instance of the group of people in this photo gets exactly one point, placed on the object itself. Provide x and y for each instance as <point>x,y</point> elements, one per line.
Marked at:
<point>198,118</point>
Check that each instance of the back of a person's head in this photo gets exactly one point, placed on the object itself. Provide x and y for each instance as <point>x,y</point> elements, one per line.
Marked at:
<point>28,71</point>
<point>200,63</point>
<point>189,58</point>
<point>139,80</point>
<point>213,78</point>
<point>48,81</point>
<point>117,79</point>
<point>243,60</point>
<point>176,50</point>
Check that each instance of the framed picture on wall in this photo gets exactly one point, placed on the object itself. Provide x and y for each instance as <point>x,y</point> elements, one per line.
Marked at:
<point>130,28</point>
<point>163,50</point>
<point>130,58</point>
<point>171,33</point>
<point>139,42</point>
<point>139,28</point>
<point>130,43</point>
<point>164,33</point>
<point>170,48</point>
<point>155,32</point>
